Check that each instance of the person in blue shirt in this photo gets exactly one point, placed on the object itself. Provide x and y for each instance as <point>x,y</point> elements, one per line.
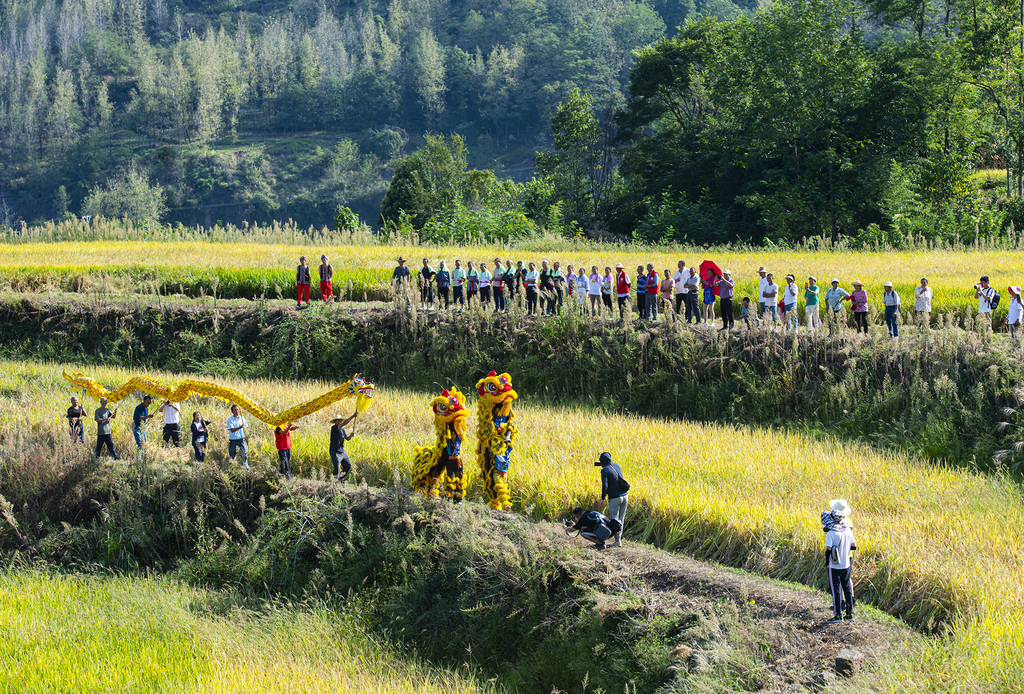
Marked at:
<point>140,417</point>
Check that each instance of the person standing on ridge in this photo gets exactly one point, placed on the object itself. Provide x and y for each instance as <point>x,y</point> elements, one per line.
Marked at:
<point>104,436</point>
<point>326,275</point>
<point>339,457</point>
<point>615,488</point>
<point>302,282</point>
<point>74,416</point>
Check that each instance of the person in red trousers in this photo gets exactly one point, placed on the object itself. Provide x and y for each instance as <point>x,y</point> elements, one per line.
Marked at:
<point>302,282</point>
<point>326,273</point>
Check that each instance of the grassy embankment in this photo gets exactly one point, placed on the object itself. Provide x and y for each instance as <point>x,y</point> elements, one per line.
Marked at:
<point>233,266</point>
<point>148,634</point>
<point>939,547</point>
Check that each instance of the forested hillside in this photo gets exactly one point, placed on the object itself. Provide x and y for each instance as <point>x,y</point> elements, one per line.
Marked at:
<point>288,109</point>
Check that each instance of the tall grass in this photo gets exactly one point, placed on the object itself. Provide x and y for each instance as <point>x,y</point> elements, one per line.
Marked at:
<point>73,633</point>
<point>942,548</point>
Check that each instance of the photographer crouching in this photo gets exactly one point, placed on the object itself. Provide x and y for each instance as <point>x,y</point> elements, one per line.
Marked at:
<point>593,526</point>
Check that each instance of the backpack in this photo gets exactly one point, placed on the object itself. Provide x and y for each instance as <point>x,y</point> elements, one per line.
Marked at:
<point>994,301</point>
<point>615,525</point>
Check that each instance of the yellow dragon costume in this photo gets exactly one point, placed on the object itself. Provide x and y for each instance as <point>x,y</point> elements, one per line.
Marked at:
<point>356,387</point>
<point>443,461</point>
<point>495,435</point>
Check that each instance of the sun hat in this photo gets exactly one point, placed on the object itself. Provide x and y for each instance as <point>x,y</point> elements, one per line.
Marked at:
<point>887,284</point>
<point>836,280</point>
<point>812,278</point>
<point>761,269</point>
<point>726,272</point>
<point>790,277</point>
<point>856,282</point>
<point>401,259</point>
<point>1014,289</point>
<point>840,506</point>
<point>338,417</point>
<point>618,266</point>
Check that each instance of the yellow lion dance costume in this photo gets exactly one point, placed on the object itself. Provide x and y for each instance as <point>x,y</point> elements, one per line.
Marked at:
<point>443,461</point>
<point>495,435</point>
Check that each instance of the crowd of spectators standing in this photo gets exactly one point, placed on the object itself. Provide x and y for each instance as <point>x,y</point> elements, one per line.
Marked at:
<point>703,296</point>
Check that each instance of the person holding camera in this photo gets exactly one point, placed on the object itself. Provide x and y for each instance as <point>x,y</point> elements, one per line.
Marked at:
<point>593,526</point>
<point>985,295</point>
<point>615,487</point>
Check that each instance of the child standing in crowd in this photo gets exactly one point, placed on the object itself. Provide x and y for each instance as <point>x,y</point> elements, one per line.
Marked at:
<point>707,286</point>
<point>811,304</point>
<point>641,291</point>
<point>283,439</point>
<point>302,282</point>
<point>891,301</point>
<point>326,274</point>
<point>859,301</point>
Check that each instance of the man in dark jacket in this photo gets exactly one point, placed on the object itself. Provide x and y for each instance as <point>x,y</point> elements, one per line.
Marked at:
<point>593,526</point>
<point>615,488</point>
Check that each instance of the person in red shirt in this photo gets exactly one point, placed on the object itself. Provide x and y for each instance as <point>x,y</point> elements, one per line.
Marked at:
<point>283,439</point>
<point>653,291</point>
<point>621,289</point>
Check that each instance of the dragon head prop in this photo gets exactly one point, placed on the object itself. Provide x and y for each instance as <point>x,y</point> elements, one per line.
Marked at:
<point>496,389</point>
<point>362,390</point>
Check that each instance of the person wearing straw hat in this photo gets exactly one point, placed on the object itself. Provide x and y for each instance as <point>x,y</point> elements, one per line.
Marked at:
<point>891,301</point>
<point>337,447</point>
<point>859,301</point>
<point>834,306</point>
<point>923,305</point>
<point>811,305</point>
<point>839,544</point>
<point>400,279</point>
<point>726,287</point>
<point>1015,311</point>
<point>762,305</point>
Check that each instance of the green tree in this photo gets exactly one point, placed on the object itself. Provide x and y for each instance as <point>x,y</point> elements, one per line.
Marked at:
<point>129,196</point>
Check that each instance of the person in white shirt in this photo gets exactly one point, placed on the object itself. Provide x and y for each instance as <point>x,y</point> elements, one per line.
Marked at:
<point>789,302</point>
<point>769,296</point>
<point>172,425</point>
<point>984,294</point>
<point>839,543</point>
<point>236,436</point>
<point>594,291</point>
<point>1015,311</point>
<point>923,305</point>
<point>581,288</point>
<point>680,285</point>
<point>692,286</point>
<point>484,277</point>
<point>761,284</point>
<point>891,301</point>
<point>458,285</point>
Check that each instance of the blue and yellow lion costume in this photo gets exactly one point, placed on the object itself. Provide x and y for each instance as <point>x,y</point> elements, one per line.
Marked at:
<point>443,462</point>
<point>496,433</point>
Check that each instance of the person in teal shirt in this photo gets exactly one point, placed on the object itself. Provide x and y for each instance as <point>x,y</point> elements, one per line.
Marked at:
<point>459,285</point>
<point>811,304</point>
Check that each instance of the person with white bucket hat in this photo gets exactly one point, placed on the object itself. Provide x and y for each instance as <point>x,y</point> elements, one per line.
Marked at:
<point>839,543</point>
<point>891,301</point>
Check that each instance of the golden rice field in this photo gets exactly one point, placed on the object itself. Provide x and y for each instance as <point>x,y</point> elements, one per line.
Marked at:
<point>952,274</point>
<point>134,634</point>
<point>941,547</point>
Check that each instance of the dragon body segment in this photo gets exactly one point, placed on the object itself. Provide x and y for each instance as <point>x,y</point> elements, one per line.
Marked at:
<point>496,433</point>
<point>442,463</point>
<point>356,387</point>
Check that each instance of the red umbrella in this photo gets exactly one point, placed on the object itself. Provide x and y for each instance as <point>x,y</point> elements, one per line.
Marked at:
<point>710,265</point>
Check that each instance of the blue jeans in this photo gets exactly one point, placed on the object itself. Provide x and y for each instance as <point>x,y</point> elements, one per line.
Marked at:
<point>791,317</point>
<point>235,445</point>
<point>892,321</point>
<point>140,436</point>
